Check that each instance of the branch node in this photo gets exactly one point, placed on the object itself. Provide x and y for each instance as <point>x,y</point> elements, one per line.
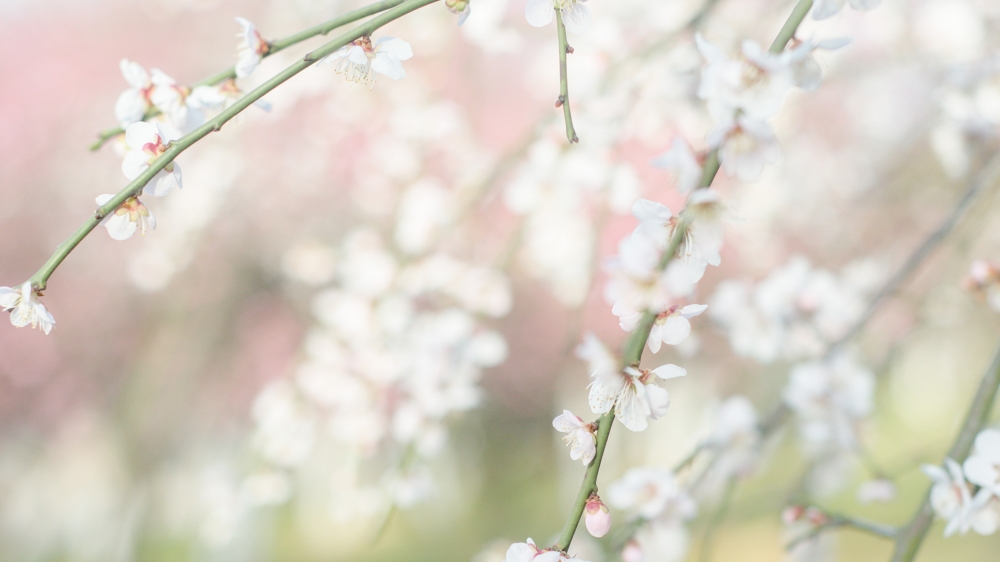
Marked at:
<point>569,50</point>
<point>559,101</point>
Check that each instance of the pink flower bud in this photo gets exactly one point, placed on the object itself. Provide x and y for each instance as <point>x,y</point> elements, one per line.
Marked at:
<point>632,552</point>
<point>598,518</point>
<point>792,513</point>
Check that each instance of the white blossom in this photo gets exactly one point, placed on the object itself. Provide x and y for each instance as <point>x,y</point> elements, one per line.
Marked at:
<point>671,325</point>
<point>130,216</point>
<point>576,16</point>
<point>250,50</point>
<point>652,493</point>
<point>830,398</point>
<point>745,146</point>
<point>982,468</point>
<point>172,100</point>
<point>951,497</point>
<point>146,142</point>
<point>806,71</point>
<point>361,59</point>
<point>134,102</point>
<point>215,98</point>
<point>685,164</point>
<point>528,552</point>
<point>25,309</point>
<point>632,395</point>
<point>753,86</point>
<point>579,436</point>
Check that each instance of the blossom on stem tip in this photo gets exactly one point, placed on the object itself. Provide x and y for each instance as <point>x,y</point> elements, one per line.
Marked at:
<point>632,395</point>
<point>598,519</point>
<point>576,16</point>
<point>146,142</point>
<point>745,146</point>
<point>251,48</point>
<point>130,216</point>
<point>24,308</point>
<point>579,436</point>
<point>359,60</point>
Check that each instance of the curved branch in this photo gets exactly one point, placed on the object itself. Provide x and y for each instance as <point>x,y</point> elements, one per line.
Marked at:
<point>835,521</point>
<point>912,535</point>
<point>275,46</point>
<point>40,279</point>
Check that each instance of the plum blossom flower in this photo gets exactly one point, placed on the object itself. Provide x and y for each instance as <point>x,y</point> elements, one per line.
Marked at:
<point>598,519</point>
<point>634,278</point>
<point>219,97</point>
<point>682,160</point>
<point>134,102</point>
<point>130,216</point>
<point>806,72</point>
<point>951,496</point>
<point>828,8</point>
<point>575,15</point>
<point>25,309</point>
<point>251,49</point>
<point>361,59</point>
<point>671,325</point>
<point>659,224</point>
<point>528,552</point>
<point>579,436</point>
<point>753,85</point>
<point>745,146</point>
<point>830,399</point>
<point>983,466</point>
<point>146,142</point>
<point>460,7</point>
<point>632,395</point>
<point>652,492</point>
<point>172,100</point>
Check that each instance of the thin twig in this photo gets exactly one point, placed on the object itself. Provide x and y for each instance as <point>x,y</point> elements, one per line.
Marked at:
<point>40,279</point>
<point>564,49</point>
<point>986,177</point>
<point>273,47</point>
<point>835,521</point>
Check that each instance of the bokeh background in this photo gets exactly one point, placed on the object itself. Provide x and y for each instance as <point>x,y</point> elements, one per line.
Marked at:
<point>130,432</point>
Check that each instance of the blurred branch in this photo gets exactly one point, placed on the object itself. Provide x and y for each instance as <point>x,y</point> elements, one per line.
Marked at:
<point>984,178</point>
<point>835,521</point>
<point>273,47</point>
<point>564,49</point>
<point>40,279</point>
<point>912,535</point>
<point>716,520</point>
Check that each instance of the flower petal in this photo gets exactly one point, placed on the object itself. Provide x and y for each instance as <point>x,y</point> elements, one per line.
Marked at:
<point>394,46</point>
<point>140,133</point>
<point>675,330</point>
<point>389,65</point>
<point>669,371</point>
<point>539,13</point>
<point>120,227</point>
<point>576,18</point>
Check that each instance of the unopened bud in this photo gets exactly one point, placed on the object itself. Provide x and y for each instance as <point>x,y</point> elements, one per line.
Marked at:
<point>598,517</point>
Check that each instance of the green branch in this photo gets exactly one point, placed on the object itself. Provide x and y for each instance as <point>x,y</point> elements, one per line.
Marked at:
<point>40,279</point>
<point>275,46</point>
<point>632,350</point>
<point>835,521</point>
<point>912,535</point>
<point>564,49</point>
